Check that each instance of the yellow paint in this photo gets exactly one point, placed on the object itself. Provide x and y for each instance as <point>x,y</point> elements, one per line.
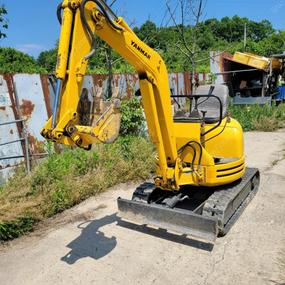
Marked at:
<point>256,61</point>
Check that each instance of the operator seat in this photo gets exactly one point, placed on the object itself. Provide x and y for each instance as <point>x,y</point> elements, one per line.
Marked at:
<point>212,105</point>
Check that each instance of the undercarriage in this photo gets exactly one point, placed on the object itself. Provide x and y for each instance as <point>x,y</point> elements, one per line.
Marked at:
<point>200,212</point>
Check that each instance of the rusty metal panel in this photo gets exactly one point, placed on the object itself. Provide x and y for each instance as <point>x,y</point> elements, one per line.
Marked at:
<point>33,109</point>
<point>47,91</point>
<point>99,82</point>
<point>184,81</point>
<point>132,84</point>
<point>8,133</point>
<point>88,83</point>
<point>31,97</point>
<point>51,89</point>
<point>174,83</point>
<point>128,84</point>
<point>180,83</point>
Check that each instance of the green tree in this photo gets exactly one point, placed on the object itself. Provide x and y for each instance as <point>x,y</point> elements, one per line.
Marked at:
<point>225,35</point>
<point>148,33</point>
<point>14,61</point>
<point>232,29</point>
<point>3,22</point>
<point>47,60</point>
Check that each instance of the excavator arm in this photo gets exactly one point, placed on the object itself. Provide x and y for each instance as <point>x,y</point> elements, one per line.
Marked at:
<point>71,101</point>
<point>81,21</point>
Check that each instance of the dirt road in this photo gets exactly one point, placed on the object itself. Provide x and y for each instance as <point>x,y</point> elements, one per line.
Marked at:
<point>87,246</point>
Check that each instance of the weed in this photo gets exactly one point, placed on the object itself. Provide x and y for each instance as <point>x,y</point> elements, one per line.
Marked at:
<point>275,162</point>
<point>261,118</point>
<point>13,229</point>
<point>265,124</point>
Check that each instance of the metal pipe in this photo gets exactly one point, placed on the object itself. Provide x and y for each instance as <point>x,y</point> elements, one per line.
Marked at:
<point>11,157</point>
<point>12,122</point>
<point>19,140</point>
<point>279,56</point>
<point>56,102</point>
<point>27,153</point>
<point>238,71</point>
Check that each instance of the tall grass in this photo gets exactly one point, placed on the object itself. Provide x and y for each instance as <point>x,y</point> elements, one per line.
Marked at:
<point>66,179</point>
<point>261,118</point>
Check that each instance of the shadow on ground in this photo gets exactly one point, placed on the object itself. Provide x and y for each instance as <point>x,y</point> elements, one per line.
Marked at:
<point>93,243</point>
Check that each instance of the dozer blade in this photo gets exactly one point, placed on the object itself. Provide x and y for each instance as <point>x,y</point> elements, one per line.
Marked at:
<point>178,220</point>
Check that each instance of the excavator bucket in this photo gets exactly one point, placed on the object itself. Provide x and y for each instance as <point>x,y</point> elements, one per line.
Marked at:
<point>101,107</point>
<point>176,220</point>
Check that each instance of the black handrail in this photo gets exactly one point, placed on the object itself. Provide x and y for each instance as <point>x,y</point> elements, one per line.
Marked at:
<point>191,97</point>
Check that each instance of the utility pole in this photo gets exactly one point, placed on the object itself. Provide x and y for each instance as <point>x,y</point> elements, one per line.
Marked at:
<point>245,37</point>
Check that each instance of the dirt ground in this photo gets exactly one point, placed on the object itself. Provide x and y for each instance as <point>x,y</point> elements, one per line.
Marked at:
<point>86,245</point>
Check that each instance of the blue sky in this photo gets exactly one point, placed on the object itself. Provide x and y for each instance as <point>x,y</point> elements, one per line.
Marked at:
<point>33,26</point>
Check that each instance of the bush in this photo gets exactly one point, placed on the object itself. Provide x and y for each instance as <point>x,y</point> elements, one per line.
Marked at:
<point>132,117</point>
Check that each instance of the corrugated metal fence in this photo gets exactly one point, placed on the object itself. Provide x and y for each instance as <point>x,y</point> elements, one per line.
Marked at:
<point>25,105</point>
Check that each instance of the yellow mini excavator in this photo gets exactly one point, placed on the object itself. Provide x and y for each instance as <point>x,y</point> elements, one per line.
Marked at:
<point>202,184</point>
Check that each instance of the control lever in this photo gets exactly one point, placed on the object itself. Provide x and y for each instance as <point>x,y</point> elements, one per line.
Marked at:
<point>211,90</point>
<point>204,113</point>
<point>173,201</point>
<point>195,112</point>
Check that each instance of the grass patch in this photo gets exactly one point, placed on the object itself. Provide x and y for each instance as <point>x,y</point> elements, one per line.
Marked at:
<point>64,180</point>
<point>261,118</point>
<point>13,229</point>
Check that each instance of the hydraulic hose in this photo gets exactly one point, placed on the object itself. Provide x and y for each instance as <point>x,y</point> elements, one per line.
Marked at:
<point>103,10</point>
<point>190,144</point>
<point>201,151</point>
<point>58,13</point>
<point>194,151</point>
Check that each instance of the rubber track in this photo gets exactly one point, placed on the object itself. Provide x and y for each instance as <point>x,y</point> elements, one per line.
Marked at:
<point>225,208</point>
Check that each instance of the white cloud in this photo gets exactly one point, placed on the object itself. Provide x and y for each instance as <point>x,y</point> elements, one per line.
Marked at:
<point>30,48</point>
